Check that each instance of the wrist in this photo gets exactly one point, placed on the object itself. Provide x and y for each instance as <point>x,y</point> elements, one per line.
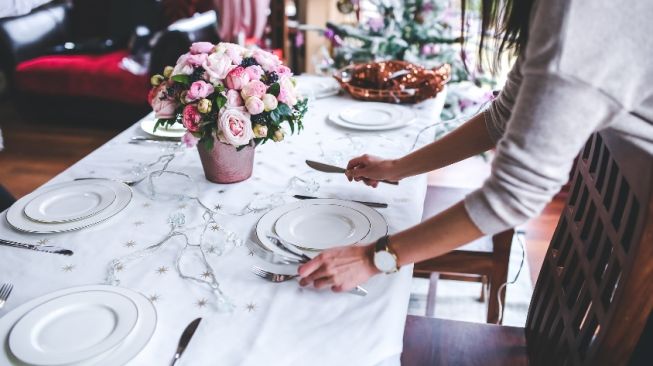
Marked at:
<point>395,170</point>
<point>369,258</point>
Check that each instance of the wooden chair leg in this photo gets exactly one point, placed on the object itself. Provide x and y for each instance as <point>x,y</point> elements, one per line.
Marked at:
<point>501,255</point>
<point>484,284</point>
<point>430,299</point>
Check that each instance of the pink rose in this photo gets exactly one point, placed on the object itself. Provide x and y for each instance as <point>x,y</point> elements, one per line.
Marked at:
<point>234,99</point>
<point>267,60</point>
<point>254,88</point>
<point>283,71</point>
<point>191,118</point>
<point>163,106</point>
<point>199,89</point>
<point>235,127</point>
<point>255,72</point>
<point>217,67</point>
<point>197,60</point>
<point>189,140</point>
<point>254,105</point>
<point>237,78</point>
<point>182,67</point>
<point>201,47</point>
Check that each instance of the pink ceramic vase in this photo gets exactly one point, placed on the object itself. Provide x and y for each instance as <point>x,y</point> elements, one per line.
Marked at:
<point>225,164</point>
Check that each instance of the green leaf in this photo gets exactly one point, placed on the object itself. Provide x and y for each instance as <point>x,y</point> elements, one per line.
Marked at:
<point>284,109</point>
<point>207,142</point>
<point>158,123</point>
<point>220,101</point>
<point>292,127</point>
<point>274,89</point>
<point>182,79</point>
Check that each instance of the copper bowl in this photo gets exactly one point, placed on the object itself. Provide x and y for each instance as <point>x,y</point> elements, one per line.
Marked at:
<point>393,81</point>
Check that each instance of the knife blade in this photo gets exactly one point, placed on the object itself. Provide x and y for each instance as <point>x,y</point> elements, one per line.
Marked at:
<point>39,248</point>
<point>185,339</point>
<point>291,249</point>
<point>326,168</point>
<point>370,204</point>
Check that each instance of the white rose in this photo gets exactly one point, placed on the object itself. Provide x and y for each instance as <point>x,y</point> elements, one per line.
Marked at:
<point>217,67</point>
<point>235,127</point>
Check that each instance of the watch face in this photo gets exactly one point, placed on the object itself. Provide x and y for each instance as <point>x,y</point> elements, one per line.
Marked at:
<point>385,262</point>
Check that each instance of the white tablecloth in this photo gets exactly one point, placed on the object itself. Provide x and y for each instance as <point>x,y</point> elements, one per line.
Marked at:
<point>272,324</point>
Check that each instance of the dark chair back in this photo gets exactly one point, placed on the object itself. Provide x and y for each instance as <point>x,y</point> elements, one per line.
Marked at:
<point>594,293</point>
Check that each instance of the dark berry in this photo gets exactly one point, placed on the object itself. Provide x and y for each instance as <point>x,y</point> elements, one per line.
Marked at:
<point>270,77</point>
<point>197,74</point>
<point>259,118</point>
<point>248,61</point>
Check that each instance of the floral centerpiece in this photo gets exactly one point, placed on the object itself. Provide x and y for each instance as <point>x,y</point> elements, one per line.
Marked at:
<point>230,99</point>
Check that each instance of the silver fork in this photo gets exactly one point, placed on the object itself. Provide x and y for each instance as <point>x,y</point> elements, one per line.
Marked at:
<point>272,277</point>
<point>278,277</point>
<point>5,291</point>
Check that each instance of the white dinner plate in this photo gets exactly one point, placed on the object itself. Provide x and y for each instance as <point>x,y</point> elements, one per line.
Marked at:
<point>266,224</point>
<point>317,86</point>
<point>372,114</point>
<point>73,328</point>
<point>392,116</point>
<point>319,227</point>
<point>120,355</point>
<point>16,217</point>
<point>175,131</point>
<point>75,201</point>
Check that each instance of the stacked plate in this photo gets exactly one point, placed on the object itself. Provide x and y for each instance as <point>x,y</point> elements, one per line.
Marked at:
<point>318,224</point>
<point>372,116</point>
<point>87,325</point>
<point>317,86</point>
<point>69,206</point>
<point>177,130</point>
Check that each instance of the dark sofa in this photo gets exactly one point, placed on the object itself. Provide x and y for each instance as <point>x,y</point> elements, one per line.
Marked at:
<point>39,68</point>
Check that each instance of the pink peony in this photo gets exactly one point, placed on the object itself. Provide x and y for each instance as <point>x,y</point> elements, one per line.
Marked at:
<point>237,78</point>
<point>267,60</point>
<point>199,89</point>
<point>189,140</point>
<point>255,72</point>
<point>254,105</point>
<point>287,92</point>
<point>192,118</point>
<point>233,51</point>
<point>197,60</point>
<point>163,106</point>
<point>234,99</point>
<point>217,67</point>
<point>183,67</point>
<point>201,47</point>
<point>284,71</point>
<point>235,127</point>
<point>254,88</point>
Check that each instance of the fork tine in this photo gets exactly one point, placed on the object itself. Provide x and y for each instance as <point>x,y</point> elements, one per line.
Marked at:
<point>5,290</point>
<point>11,287</point>
<point>260,272</point>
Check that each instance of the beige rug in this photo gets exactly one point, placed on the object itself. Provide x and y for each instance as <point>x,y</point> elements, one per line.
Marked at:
<point>460,300</point>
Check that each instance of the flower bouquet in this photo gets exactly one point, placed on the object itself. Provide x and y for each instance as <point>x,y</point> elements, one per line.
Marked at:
<point>230,99</point>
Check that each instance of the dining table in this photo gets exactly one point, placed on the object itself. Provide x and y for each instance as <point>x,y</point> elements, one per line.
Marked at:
<point>252,321</point>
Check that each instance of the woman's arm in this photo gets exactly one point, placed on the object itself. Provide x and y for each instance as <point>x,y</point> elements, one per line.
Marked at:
<point>470,139</point>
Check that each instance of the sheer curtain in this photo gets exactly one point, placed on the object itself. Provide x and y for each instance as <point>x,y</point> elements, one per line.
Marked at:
<point>247,17</point>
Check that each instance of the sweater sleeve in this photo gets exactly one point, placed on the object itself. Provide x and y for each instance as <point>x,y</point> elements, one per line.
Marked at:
<point>549,116</point>
<point>497,115</point>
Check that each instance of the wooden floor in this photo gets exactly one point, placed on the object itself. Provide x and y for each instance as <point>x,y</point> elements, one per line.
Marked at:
<point>38,149</point>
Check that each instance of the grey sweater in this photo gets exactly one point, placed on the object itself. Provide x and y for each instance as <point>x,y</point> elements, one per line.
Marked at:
<point>588,66</point>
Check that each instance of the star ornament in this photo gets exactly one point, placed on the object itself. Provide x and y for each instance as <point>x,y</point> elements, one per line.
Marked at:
<point>215,227</point>
<point>201,303</point>
<point>68,268</point>
<point>120,267</point>
<point>162,270</point>
<point>154,297</point>
<point>43,241</point>
<point>206,275</point>
<point>130,244</point>
<point>250,307</point>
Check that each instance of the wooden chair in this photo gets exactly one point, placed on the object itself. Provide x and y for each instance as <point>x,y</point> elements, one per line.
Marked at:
<point>594,292</point>
<point>485,259</point>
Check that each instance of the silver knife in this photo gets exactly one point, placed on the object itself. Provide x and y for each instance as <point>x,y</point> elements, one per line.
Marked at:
<point>370,204</point>
<point>290,249</point>
<point>326,168</point>
<point>185,339</point>
<point>38,248</point>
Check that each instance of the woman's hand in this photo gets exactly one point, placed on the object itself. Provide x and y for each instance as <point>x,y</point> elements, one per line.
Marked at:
<point>341,268</point>
<point>371,169</point>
